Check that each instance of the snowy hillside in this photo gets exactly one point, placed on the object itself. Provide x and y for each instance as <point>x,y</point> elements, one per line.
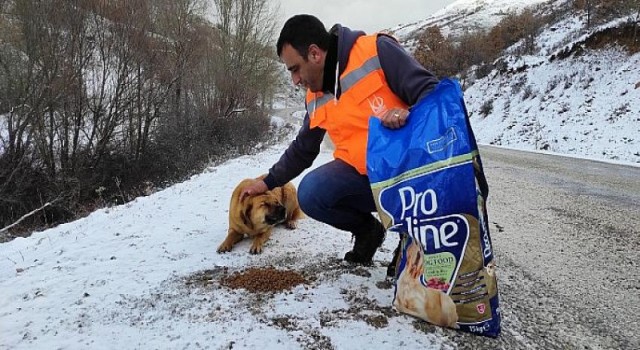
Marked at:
<point>588,106</point>
<point>585,104</point>
<point>462,16</point>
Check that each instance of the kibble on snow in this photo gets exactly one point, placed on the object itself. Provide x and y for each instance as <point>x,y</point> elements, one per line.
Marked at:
<point>264,279</point>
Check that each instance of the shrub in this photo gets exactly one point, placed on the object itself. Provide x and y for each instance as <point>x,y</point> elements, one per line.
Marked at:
<point>486,108</point>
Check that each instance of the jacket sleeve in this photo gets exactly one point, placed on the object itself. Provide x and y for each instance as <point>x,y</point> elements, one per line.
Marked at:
<point>406,77</point>
<point>299,156</point>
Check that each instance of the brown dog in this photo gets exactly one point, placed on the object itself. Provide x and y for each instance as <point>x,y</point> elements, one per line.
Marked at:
<point>255,216</point>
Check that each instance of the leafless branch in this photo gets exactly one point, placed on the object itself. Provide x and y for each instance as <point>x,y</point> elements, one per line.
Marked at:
<point>29,214</point>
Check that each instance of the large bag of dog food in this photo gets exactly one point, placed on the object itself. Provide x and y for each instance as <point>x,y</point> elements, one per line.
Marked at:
<point>430,188</point>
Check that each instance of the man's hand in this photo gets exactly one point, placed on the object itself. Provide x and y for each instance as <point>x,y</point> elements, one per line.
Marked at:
<point>254,188</point>
<point>394,118</point>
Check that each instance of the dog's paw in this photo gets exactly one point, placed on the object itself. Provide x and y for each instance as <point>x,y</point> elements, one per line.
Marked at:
<point>291,225</point>
<point>223,248</point>
<point>255,249</point>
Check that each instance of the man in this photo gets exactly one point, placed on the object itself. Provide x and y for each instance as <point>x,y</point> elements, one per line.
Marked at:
<point>349,77</point>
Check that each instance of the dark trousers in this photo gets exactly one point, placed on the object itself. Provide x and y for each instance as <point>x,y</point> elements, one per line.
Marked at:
<point>336,194</point>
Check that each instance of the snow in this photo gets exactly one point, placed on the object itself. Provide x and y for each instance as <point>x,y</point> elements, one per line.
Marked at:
<point>464,15</point>
<point>117,279</point>
<point>587,106</point>
<point>4,131</point>
<point>559,34</point>
<point>276,122</point>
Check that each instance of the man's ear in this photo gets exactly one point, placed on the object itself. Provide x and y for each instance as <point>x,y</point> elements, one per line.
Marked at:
<point>315,53</point>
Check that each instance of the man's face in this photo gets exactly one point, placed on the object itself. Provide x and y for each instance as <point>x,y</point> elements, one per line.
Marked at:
<point>307,72</point>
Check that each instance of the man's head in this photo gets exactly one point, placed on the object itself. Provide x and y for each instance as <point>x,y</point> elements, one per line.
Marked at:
<point>302,47</point>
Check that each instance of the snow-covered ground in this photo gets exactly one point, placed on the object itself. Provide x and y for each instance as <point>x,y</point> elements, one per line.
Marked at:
<point>121,278</point>
<point>588,106</point>
<point>127,277</point>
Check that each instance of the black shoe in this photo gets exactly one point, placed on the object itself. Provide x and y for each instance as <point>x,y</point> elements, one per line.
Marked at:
<point>367,242</point>
<point>391,269</point>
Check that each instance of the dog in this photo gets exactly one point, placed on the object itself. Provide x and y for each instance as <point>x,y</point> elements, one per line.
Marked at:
<point>413,298</point>
<point>255,216</point>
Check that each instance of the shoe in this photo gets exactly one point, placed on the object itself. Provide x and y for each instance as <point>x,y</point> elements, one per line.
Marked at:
<point>391,269</point>
<point>367,242</point>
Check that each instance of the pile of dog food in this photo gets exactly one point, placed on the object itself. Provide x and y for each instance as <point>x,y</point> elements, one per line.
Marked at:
<point>263,279</point>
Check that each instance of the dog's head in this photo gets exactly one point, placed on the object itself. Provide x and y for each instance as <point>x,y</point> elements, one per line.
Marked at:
<point>414,260</point>
<point>263,210</point>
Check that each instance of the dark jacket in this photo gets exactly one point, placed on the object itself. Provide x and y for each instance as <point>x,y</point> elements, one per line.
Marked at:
<point>405,76</point>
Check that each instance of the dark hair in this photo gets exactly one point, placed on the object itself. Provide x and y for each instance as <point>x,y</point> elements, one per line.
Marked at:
<point>300,31</point>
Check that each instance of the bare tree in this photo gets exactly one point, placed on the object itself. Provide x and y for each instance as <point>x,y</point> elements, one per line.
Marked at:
<point>176,22</point>
<point>245,65</point>
<point>92,91</point>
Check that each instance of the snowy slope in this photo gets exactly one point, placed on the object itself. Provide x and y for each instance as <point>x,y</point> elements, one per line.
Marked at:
<point>586,105</point>
<point>462,16</point>
<point>120,279</point>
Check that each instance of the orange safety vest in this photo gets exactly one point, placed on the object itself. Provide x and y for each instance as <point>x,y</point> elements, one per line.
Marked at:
<point>365,94</point>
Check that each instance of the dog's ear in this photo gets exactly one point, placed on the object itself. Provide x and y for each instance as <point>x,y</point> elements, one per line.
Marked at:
<point>246,213</point>
<point>416,267</point>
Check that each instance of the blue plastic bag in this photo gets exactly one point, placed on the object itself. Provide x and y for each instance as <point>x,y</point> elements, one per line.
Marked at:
<point>429,187</point>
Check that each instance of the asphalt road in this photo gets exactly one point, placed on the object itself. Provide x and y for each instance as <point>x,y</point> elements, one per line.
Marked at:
<point>567,242</point>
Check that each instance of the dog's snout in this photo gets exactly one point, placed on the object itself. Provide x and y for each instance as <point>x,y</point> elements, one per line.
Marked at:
<point>278,214</point>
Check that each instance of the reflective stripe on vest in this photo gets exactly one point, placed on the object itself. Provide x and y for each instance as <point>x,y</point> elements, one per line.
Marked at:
<point>346,83</point>
<point>365,93</point>
<point>316,103</point>
<point>370,66</point>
